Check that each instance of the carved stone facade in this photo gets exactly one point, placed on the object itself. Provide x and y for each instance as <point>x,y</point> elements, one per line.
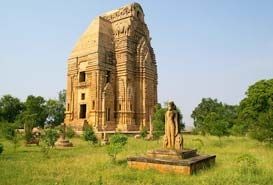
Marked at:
<point>112,74</point>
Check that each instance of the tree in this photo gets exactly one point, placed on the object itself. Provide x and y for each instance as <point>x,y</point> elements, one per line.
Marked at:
<point>62,97</point>
<point>36,108</point>
<point>262,130</point>
<point>254,112</point>
<point>10,108</point>
<point>50,137</point>
<point>158,120</point>
<point>55,111</point>
<point>217,126</point>
<point>199,114</point>
<point>28,121</point>
<point>89,134</point>
<point>214,117</point>
<point>117,143</point>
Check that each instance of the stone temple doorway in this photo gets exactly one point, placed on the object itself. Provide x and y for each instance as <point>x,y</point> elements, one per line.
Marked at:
<point>83,111</point>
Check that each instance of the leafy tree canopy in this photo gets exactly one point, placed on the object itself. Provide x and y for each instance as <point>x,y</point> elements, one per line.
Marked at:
<point>259,99</point>
<point>55,110</point>
<point>10,108</point>
<point>255,110</point>
<point>62,97</point>
<point>214,117</point>
<point>35,107</point>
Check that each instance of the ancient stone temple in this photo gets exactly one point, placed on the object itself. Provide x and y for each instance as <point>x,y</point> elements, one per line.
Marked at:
<point>112,74</point>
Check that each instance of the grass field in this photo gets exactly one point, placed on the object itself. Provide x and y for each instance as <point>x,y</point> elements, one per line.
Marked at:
<point>86,164</point>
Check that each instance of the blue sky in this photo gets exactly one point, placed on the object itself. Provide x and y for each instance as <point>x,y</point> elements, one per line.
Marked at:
<point>204,48</point>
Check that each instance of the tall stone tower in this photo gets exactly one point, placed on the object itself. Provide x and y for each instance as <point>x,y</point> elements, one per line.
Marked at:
<point>112,74</point>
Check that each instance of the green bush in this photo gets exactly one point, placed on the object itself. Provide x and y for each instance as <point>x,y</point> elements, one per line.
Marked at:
<point>157,134</point>
<point>143,132</point>
<point>45,149</point>
<point>247,164</point>
<point>239,129</point>
<point>28,131</point>
<point>50,137</point>
<point>158,121</point>
<point>89,135</point>
<point>70,132</point>
<point>117,143</point>
<point>11,134</point>
<point>1,148</point>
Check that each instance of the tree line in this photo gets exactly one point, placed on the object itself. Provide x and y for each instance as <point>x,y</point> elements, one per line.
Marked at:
<point>252,116</point>
<point>35,110</point>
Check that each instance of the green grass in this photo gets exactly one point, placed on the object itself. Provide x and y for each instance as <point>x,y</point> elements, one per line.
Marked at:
<point>86,164</point>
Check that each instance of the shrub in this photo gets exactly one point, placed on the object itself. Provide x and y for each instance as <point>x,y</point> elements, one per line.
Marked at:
<point>70,132</point>
<point>158,120</point>
<point>247,164</point>
<point>117,143</point>
<point>45,150</point>
<point>157,134</point>
<point>89,135</point>
<point>239,129</point>
<point>50,137</point>
<point>28,131</point>
<point>11,134</point>
<point>144,132</point>
<point>1,148</point>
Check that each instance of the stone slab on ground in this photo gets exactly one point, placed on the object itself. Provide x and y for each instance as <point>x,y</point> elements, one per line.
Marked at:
<point>172,154</point>
<point>181,166</point>
<point>63,143</point>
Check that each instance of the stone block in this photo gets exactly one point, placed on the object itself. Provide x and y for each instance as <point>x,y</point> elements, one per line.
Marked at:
<point>187,166</point>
